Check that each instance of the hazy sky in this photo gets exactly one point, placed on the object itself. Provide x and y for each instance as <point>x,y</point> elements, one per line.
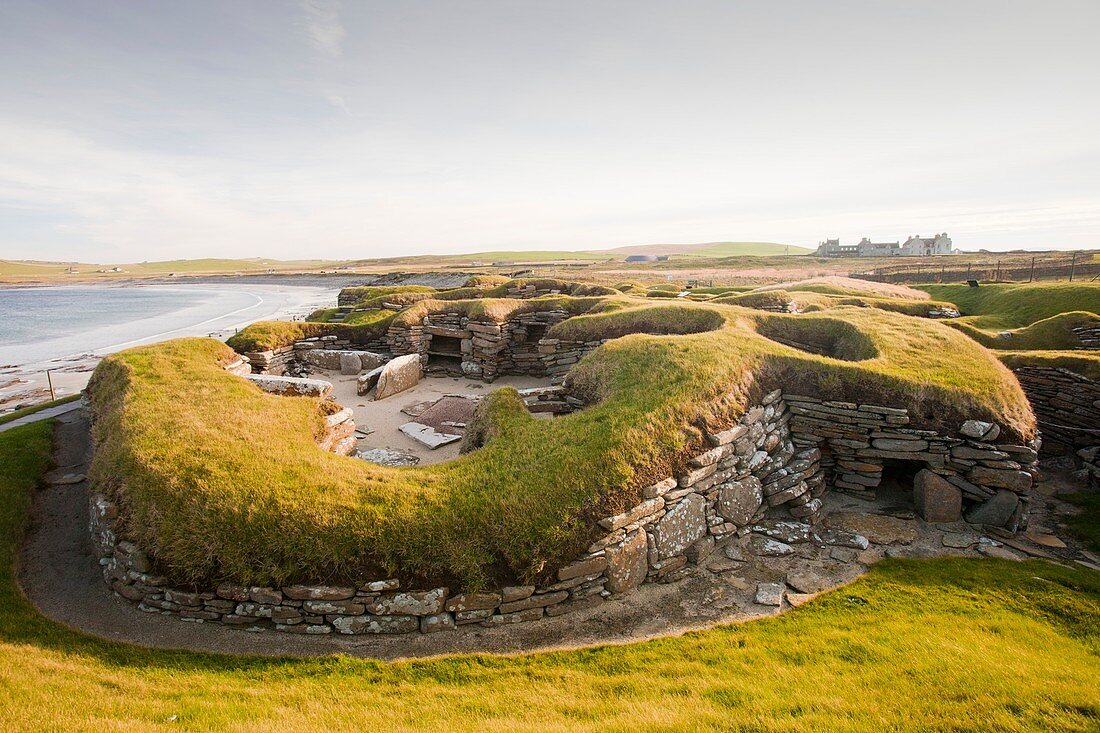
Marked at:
<point>155,130</point>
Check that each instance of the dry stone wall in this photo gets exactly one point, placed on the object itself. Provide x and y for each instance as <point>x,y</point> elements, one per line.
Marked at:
<point>1067,406</point>
<point>761,480</point>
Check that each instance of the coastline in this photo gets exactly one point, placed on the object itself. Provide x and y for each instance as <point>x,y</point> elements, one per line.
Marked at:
<point>67,359</point>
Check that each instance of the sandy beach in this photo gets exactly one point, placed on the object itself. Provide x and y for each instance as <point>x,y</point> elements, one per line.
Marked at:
<point>55,336</point>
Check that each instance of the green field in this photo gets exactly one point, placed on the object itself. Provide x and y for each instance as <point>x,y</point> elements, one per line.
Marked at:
<point>959,645</point>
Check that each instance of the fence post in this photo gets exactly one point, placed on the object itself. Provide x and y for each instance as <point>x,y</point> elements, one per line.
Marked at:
<point>1031,275</point>
<point>1072,266</point>
<point>967,270</point>
<point>997,273</point>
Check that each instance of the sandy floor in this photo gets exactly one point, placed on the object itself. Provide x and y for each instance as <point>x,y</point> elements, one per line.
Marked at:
<point>385,418</point>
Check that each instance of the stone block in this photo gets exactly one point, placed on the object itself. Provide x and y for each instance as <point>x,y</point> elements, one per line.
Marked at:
<point>473,602</point>
<point>398,375</point>
<point>681,526</point>
<point>592,565</point>
<point>375,624</point>
<point>935,498</point>
<point>627,565</point>
<point>416,603</point>
<point>318,593</point>
<point>996,511</point>
<point>738,501</point>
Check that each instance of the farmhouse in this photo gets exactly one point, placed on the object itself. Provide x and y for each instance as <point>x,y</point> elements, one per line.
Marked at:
<point>914,246</point>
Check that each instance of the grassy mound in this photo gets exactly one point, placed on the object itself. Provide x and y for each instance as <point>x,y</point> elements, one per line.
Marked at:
<point>1002,306</point>
<point>1085,363</point>
<point>250,497</point>
<point>884,653</point>
<point>836,285</point>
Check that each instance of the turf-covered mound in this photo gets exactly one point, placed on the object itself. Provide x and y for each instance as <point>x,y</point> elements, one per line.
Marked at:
<point>836,285</point>
<point>1024,316</point>
<point>223,482</point>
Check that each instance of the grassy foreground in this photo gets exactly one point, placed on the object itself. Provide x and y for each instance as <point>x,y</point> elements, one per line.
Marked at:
<point>958,645</point>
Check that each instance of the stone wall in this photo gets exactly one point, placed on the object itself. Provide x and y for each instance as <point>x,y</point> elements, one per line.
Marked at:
<point>1067,406</point>
<point>779,459</point>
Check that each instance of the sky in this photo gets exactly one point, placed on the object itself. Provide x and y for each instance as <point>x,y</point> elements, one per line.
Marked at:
<point>134,131</point>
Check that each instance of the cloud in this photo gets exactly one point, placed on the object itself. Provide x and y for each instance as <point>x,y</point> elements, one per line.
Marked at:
<point>323,27</point>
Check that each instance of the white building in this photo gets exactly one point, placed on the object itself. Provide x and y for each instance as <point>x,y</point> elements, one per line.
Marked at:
<point>913,247</point>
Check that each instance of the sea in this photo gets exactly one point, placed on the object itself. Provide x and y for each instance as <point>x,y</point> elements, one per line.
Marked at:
<point>68,328</point>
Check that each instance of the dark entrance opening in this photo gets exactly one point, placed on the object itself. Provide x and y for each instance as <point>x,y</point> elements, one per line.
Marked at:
<point>445,354</point>
<point>535,332</point>
<point>895,490</point>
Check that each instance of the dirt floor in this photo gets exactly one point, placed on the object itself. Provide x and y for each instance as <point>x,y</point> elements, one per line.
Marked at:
<point>379,421</point>
<point>61,577</point>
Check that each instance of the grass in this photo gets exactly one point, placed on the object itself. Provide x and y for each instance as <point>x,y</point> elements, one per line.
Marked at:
<point>16,414</point>
<point>960,645</point>
<point>250,497</point>
<point>1085,363</point>
<point>1003,306</point>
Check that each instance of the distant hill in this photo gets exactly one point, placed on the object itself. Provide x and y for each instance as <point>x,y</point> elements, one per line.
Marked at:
<point>711,249</point>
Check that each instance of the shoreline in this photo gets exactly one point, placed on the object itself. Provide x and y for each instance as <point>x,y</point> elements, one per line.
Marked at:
<point>27,383</point>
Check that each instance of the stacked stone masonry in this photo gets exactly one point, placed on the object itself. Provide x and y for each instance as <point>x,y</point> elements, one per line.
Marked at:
<point>1067,406</point>
<point>778,460</point>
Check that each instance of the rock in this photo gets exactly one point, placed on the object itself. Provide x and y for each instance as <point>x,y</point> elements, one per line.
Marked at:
<point>789,532</point>
<point>935,498</point>
<point>903,446</point>
<point>350,363</point>
<point>1000,478</point>
<point>428,435</point>
<point>839,538</point>
<point>387,457</point>
<point>875,527</point>
<point>959,540</point>
<point>1044,540</point>
<point>436,623</point>
<point>980,430</point>
<point>628,564</point>
<point>473,602</point>
<point>638,511</point>
<point>1001,553</point>
<point>343,608</point>
<point>770,594</point>
<point>397,376</point>
<point>798,599</point>
<point>375,624</point>
<point>291,386</point>
<point>512,593</point>
<point>418,603</point>
<point>366,381</point>
<point>591,566</point>
<point>807,582</point>
<point>318,593</point>
<point>768,547</point>
<point>995,511</point>
<point>701,549</point>
<point>536,601</point>
<point>68,479</point>
<point>734,552</point>
<point>738,501</point>
<point>682,525</point>
<point>842,554</point>
<point>472,369</point>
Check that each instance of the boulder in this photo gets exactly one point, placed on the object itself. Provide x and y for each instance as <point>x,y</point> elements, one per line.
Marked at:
<point>738,501</point>
<point>881,530</point>
<point>397,376</point>
<point>997,511</point>
<point>350,363</point>
<point>367,381</point>
<point>419,603</point>
<point>935,498</point>
<point>681,526</point>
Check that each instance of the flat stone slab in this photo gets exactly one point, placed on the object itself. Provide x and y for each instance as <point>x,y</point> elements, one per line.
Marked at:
<point>770,594</point>
<point>291,386</point>
<point>875,527</point>
<point>428,435</point>
<point>448,409</point>
<point>386,457</point>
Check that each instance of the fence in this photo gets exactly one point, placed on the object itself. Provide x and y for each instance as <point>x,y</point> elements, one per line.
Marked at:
<point>1069,266</point>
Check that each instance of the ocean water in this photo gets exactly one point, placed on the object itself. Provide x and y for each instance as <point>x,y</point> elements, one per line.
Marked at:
<point>53,325</point>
